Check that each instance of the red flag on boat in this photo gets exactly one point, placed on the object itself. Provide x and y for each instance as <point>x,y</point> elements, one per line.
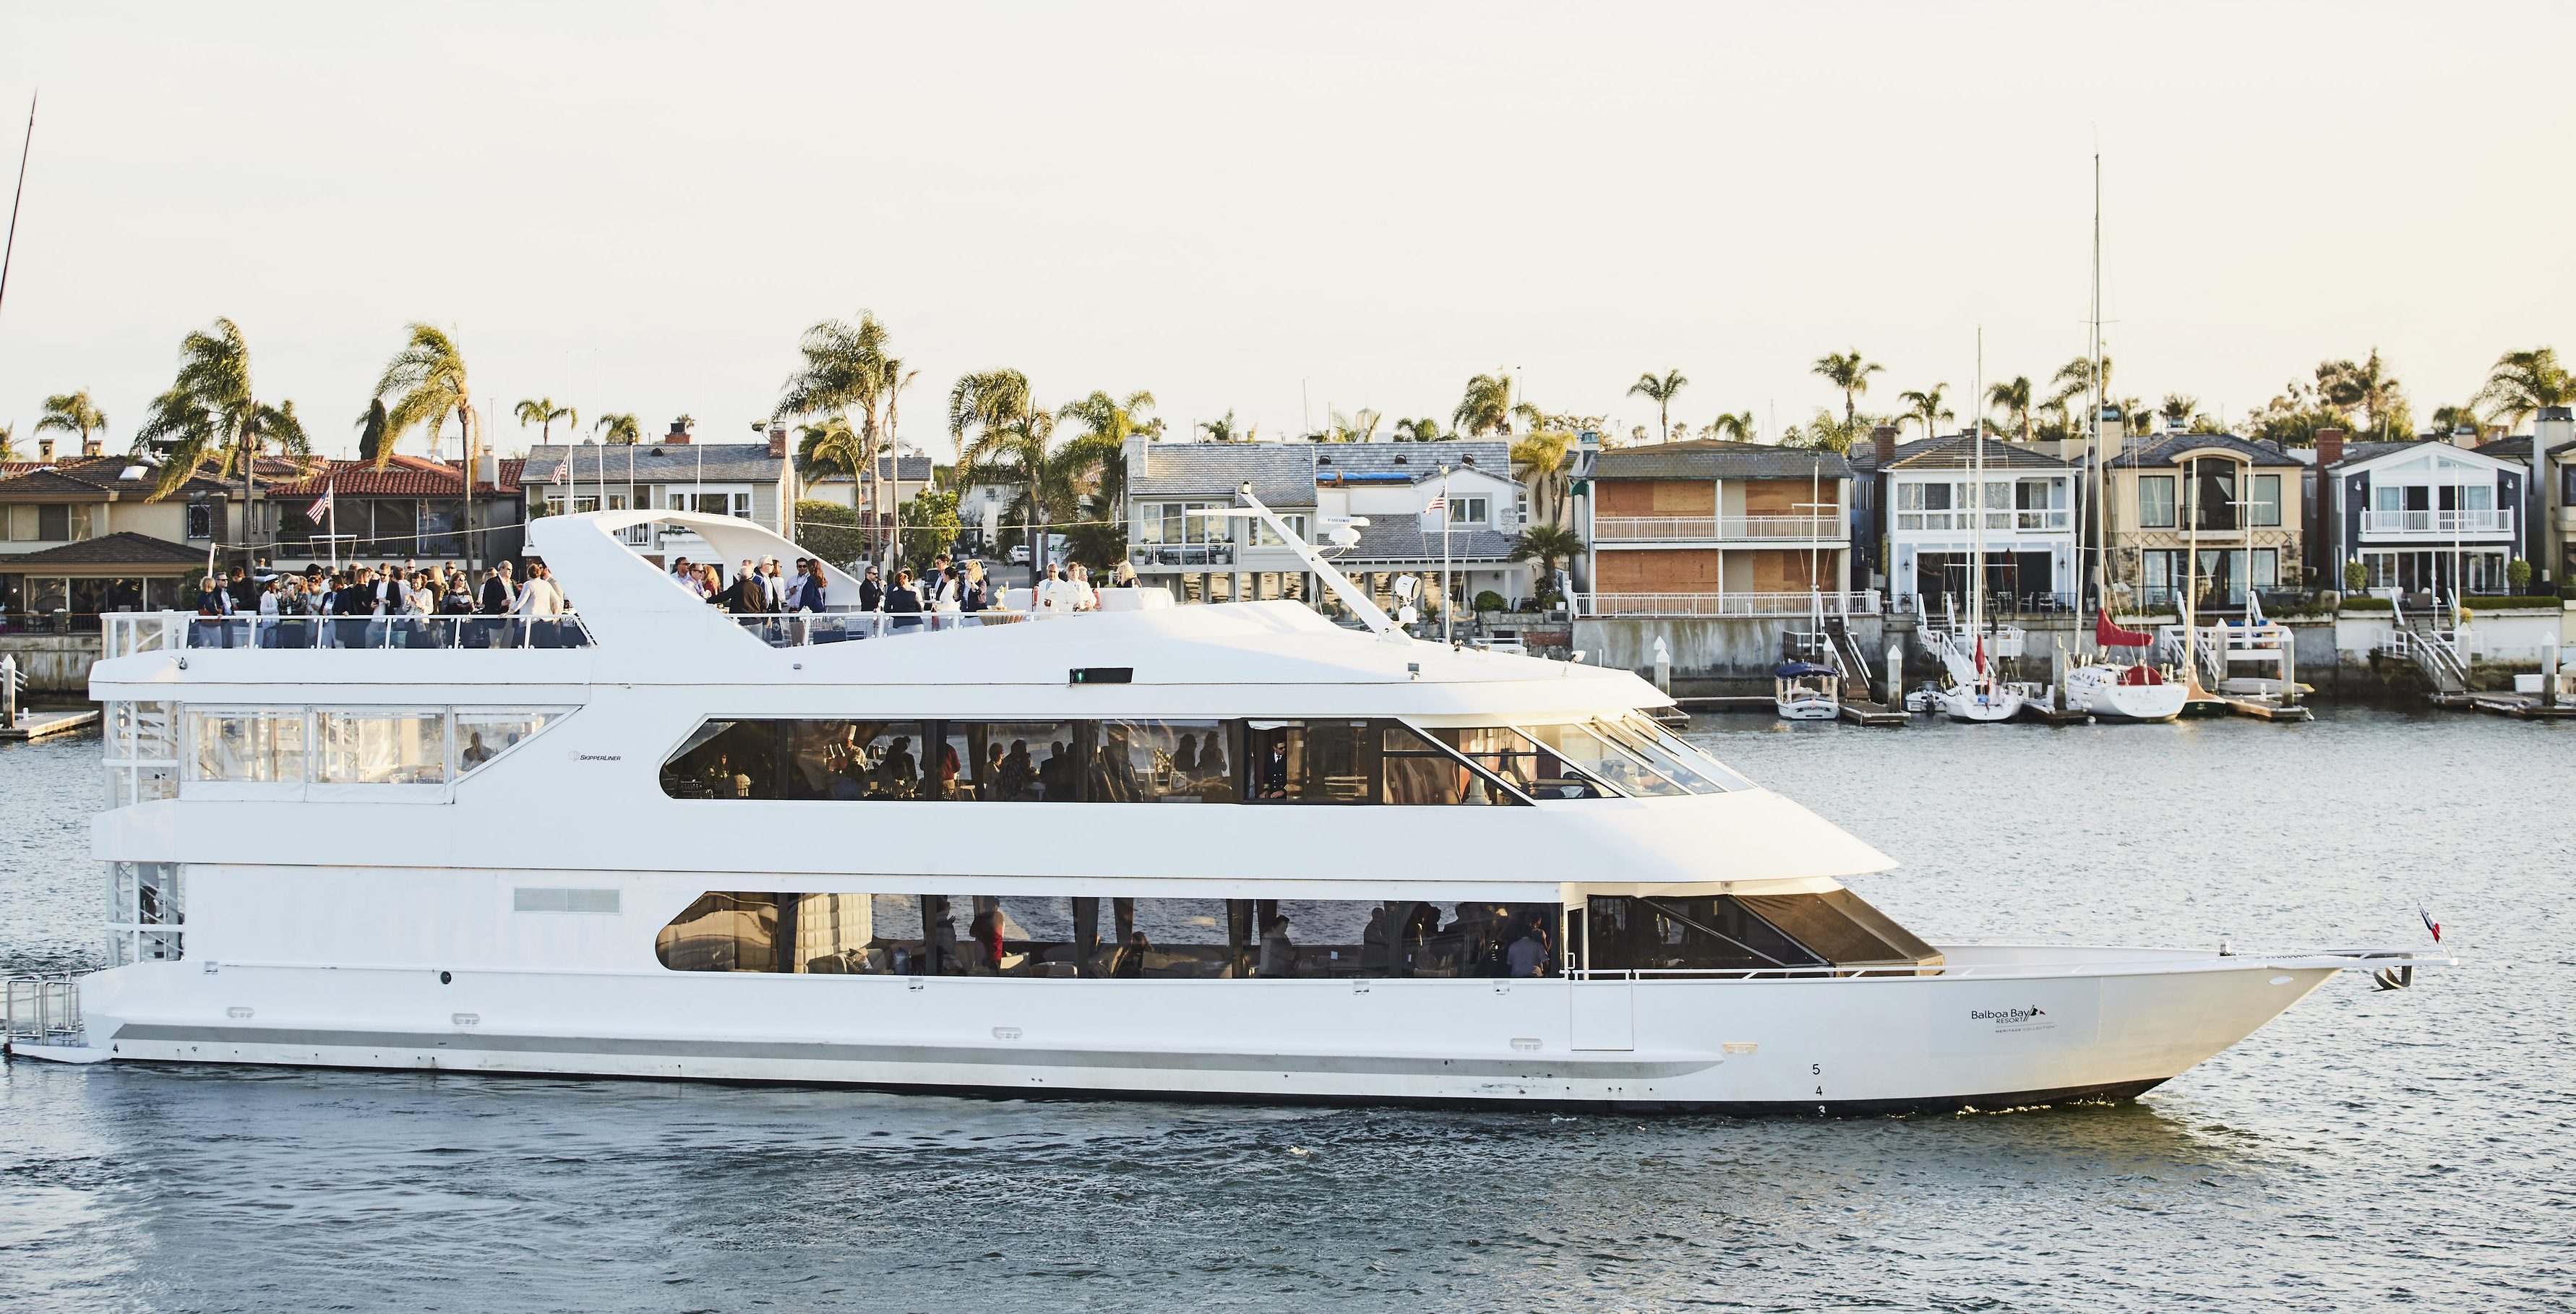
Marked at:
<point>2112,636</point>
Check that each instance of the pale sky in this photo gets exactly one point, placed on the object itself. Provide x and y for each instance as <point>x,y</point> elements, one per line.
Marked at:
<point>1276,209</point>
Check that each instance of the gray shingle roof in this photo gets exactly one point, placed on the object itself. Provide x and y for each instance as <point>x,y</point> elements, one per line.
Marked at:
<point>2163,450</point>
<point>123,548</point>
<point>1958,451</point>
<point>916,470</point>
<point>1401,540</point>
<point>1718,458</point>
<point>660,463</point>
<point>1419,460</point>
<point>1281,474</point>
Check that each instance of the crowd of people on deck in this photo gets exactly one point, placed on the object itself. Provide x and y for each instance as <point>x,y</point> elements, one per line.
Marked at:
<point>945,586</point>
<point>1401,939</point>
<point>391,599</point>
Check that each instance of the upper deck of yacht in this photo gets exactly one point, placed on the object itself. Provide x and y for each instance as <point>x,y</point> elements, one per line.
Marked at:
<point>632,624</point>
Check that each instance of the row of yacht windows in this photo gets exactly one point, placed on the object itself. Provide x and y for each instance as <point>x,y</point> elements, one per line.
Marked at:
<point>1009,936</point>
<point>353,745</point>
<point>1185,761</point>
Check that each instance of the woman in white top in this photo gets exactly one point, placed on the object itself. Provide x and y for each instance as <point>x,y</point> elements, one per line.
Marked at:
<point>1084,599</point>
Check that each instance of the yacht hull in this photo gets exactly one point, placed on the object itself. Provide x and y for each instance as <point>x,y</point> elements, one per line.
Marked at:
<point>2112,701</point>
<point>2000,1028</point>
<point>1966,705</point>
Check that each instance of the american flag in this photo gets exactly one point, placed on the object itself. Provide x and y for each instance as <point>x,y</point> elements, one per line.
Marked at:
<point>321,506</point>
<point>1439,502</point>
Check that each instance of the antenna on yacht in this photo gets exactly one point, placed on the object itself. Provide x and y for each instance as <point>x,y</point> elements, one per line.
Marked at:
<point>1249,507</point>
<point>2101,450</point>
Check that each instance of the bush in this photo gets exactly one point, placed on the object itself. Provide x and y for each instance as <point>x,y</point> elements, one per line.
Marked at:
<point>2356,577</point>
<point>2365,604</point>
<point>2515,600</point>
<point>2518,574</point>
<point>1489,601</point>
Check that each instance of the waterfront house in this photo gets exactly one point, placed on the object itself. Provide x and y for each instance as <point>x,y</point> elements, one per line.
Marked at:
<point>412,509</point>
<point>1318,488</point>
<point>1930,490</point>
<point>2240,500</point>
<point>2547,456</point>
<point>2424,515</point>
<point>749,481</point>
<point>909,475</point>
<point>1710,527</point>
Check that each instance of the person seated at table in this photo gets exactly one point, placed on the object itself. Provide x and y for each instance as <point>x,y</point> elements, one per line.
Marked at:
<point>1131,956</point>
<point>897,773</point>
<point>1528,955</point>
<point>1278,956</point>
<point>1055,775</point>
<point>1017,776</point>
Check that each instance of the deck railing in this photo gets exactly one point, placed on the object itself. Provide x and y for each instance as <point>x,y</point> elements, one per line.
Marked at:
<point>124,634</point>
<point>2437,523</point>
<point>1861,603</point>
<point>40,1010</point>
<point>807,628</point>
<point>1696,529</point>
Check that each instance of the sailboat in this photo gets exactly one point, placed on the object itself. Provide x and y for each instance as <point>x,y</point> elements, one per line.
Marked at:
<point>2113,688</point>
<point>1974,692</point>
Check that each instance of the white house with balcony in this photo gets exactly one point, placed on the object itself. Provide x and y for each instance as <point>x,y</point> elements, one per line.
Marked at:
<point>1429,508</point>
<point>1931,491</point>
<point>748,481</point>
<point>1716,528</point>
<point>2427,516</point>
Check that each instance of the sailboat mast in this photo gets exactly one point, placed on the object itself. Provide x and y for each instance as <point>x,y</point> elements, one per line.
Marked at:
<point>1977,537</point>
<point>2101,450</point>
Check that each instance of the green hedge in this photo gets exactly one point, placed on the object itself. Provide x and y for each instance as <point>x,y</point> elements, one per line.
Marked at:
<point>2365,604</point>
<point>2501,602</point>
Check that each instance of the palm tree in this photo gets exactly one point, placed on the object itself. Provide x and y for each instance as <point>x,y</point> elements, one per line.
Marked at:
<point>2451,419</point>
<point>1488,407</point>
<point>543,413</point>
<point>1826,432</point>
<point>71,412</point>
<point>2368,386</point>
<point>1736,428</point>
<point>1342,428</point>
<point>1539,459</point>
<point>1425,429</point>
<point>2522,382</point>
<point>371,430</point>
<point>1847,371</point>
<point>1002,436</point>
<point>2076,376</point>
<point>1660,392</point>
<point>831,447</point>
<point>1107,423</point>
<point>8,439</point>
<point>1925,405</point>
<point>211,413</point>
<point>846,366</point>
<point>1547,545</point>
<point>2178,409</point>
<point>620,430</point>
<point>2013,398</point>
<point>429,374</point>
<point>1225,430</point>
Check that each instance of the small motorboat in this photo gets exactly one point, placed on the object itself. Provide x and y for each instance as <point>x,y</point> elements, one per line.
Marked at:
<point>1806,691</point>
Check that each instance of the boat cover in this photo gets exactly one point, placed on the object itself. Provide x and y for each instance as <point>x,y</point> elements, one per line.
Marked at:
<point>2112,636</point>
<point>1793,670</point>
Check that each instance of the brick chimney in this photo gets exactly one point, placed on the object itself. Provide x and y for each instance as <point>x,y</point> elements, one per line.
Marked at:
<point>679,435</point>
<point>2329,447</point>
<point>93,446</point>
<point>778,443</point>
<point>1882,441</point>
<point>44,449</point>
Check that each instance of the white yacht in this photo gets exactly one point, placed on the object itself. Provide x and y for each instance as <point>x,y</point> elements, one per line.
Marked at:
<point>1226,851</point>
<point>1806,691</point>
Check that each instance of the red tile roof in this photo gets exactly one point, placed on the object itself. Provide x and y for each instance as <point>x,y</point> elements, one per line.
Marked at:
<point>403,476</point>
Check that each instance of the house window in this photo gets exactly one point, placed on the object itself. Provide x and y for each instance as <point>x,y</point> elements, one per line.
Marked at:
<point>84,521</point>
<point>1520,506</point>
<point>1466,510</point>
<point>1262,537</point>
<point>1171,522</point>
<point>22,523</point>
<point>2267,501</point>
<point>2155,501</point>
<point>2039,504</point>
<point>201,520</point>
<point>1922,506</point>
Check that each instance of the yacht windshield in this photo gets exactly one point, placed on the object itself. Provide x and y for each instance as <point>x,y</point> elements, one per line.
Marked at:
<point>1536,769</point>
<point>1639,734</point>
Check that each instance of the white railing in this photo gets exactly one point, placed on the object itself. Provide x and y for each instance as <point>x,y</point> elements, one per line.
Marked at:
<point>1696,529</point>
<point>40,1010</point>
<point>2159,965</point>
<point>123,634</point>
<point>2441,524</point>
<point>1949,521</point>
<point>1863,603</point>
<point>803,629</point>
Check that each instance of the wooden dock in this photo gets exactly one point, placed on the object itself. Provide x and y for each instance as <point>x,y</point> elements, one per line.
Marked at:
<point>37,725</point>
<point>2520,706</point>
<point>1865,713</point>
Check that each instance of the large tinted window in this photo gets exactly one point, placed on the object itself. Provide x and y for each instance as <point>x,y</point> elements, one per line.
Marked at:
<point>1143,939</point>
<point>1746,933</point>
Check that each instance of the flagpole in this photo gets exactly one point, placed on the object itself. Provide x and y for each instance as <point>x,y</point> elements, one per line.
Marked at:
<point>1447,610</point>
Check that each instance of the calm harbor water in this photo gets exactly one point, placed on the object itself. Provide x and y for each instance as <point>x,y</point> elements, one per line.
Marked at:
<point>2368,1150</point>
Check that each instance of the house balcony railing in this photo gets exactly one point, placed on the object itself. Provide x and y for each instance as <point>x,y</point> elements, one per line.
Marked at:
<point>126,633</point>
<point>1148,556</point>
<point>2021,521</point>
<point>1719,529</point>
<point>1862,603</point>
<point>2439,524</point>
